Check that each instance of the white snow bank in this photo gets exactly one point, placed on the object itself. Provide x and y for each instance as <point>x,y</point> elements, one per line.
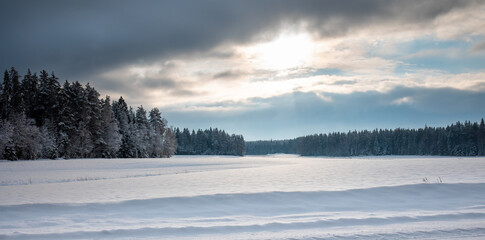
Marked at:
<point>243,198</point>
<point>447,204</point>
<point>103,180</point>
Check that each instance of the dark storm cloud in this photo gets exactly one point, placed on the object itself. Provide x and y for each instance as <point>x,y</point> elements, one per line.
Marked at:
<point>82,38</point>
<point>169,86</point>
<point>298,113</point>
<point>157,83</point>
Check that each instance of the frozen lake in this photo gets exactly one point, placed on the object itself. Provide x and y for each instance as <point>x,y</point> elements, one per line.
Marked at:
<point>254,197</point>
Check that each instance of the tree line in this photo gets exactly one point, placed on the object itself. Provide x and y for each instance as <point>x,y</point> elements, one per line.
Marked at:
<point>459,139</point>
<point>40,118</point>
<point>209,142</point>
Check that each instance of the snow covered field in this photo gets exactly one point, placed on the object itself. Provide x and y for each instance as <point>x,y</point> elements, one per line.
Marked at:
<point>270,197</point>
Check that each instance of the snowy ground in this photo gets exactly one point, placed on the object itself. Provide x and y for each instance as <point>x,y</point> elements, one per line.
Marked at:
<point>271,197</point>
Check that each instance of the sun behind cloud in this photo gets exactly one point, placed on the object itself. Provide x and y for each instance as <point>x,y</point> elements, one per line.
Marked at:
<point>284,52</point>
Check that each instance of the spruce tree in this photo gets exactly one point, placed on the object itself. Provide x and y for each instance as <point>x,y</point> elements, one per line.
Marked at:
<point>157,133</point>
<point>6,95</point>
<point>110,137</point>
<point>29,88</point>
<point>16,98</point>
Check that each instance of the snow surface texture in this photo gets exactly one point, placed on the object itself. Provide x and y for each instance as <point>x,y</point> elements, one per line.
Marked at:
<point>270,197</point>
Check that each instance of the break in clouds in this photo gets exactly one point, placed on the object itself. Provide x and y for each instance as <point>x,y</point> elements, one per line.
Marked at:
<point>254,61</point>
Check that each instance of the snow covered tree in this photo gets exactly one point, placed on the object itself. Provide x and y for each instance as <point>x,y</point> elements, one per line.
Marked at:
<point>65,127</point>
<point>142,133</point>
<point>47,102</point>
<point>120,111</point>
<point>93,119</point>
<point>185,145</point>
<point>169,143</point>
<point>126,127</point>
<point>110,137</point>
<point>23,138</point>
<point>49,145</point>
<point>16,101</point>
<point>41,118</point>
<point>157,132</point>
<point>6,140</point>
<point>1,101</point>
<point>208,142</point>
<point>11,94</point>
<point>29,87</point>
<point>6,95</point>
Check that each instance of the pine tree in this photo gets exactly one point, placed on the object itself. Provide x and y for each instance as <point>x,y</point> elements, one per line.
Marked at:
<point>66,124</point>
<point>2,105</point>
<point>481,138</point>
<point>120,111</point>
<point>49,146</point>
<point>47,102</point>
<point>126,126</point>
<point>110,139</point>
<point>29,88</point>
<point>93,119</point>
<point>16,101</point>
<point>142,132</point>
<point>157,132</point>
<point>169,143</point>
<point>6,95</point>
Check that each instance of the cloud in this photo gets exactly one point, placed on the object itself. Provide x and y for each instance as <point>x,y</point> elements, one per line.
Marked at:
<point>92,36</point>
<point>452,53</point>
<point>344,82</point>
<point>332,19</point>
<point>86,38</point>
<point>158,83</point>
<point>403,100</point>
<point>296,114</point>
<point>229,74</point>
<point>479,47</point>
<point>323,97</point>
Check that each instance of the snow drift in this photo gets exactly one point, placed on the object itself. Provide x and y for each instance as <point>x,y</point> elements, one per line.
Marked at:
<point>404,211</point>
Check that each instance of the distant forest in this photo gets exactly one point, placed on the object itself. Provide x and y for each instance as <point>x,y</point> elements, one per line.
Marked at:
<point>209,142</point>
<point>459,139</point>
<point>40,118</point>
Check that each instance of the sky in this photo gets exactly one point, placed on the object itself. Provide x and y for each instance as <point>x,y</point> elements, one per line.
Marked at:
<point>266,69</point>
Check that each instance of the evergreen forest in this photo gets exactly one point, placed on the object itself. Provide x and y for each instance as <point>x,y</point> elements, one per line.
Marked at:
<point>42,118</point>
<point>459,139</point>
<point>209,142</point>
